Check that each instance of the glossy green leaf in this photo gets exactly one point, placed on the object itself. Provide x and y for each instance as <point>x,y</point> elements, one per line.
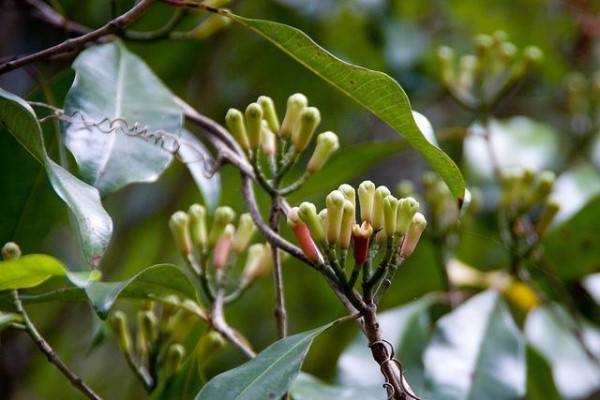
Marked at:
<point>93,223</point>
<point>574,188</point>
<point>197,159</point>
<point>34,269</point>
<point>550,330</point>
<point>374,90</point>
<point>268,375</point>
<point>346,165</point>
<point>476,352</point>
<point>572,247</point>
<point>540,384</point>
<point>407,328</point>
<point>116,89</point>
<point>307,387</point>
<point>153,282</point>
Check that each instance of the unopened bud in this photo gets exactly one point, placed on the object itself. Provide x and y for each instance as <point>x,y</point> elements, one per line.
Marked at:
<point>119,325</point>
<point>446,57</point>
<point>327,144</point>
<point>335,208</point>
<point>532,55</point>
<point>349,193</point>
<point>323,218</point>
<point>390,214</point>
<point>361,235</point>
<point>223,247</point>
<point>235,124</point>
<point>416,228</point>
<point>245,231</point>
<point>175,356</point>
<point>468,66</point>
<point>11,251</point>
<point>307,123</point>
<point>347,222</point>
<point>500,37</point>
<point>551,208</point>
<point>254,116</point>
<point>148,324</point>
<point>295,104</point>
<point>542,188</point>
<point>223,217</point>
<point>308,214</point>
<point>407,208</point>
<point>366,196</point>
<point>302,234</point>
<point>508,51</point>
<point>483,43</point>
<point>378,218</point>
<point>267,141</point>
<point>179,224</point>
<point>405,189</point>
<point>210,344</point>
<point>269,113</point>
<point>197,217</point>
<point>252,267</point>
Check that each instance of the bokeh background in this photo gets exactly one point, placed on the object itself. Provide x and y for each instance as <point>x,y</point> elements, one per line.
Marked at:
<point>230,69</point>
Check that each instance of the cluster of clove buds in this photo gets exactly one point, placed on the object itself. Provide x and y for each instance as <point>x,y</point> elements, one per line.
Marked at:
<point>213,254</point>
<point>524,191</point>
<point>259,132</point>
<point>485,77</point>
<point>384,222</point>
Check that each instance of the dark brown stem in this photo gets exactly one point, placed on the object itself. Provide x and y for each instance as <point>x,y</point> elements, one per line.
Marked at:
<point>51,355</point>
<point>280,312</point>
<point>79,42</point>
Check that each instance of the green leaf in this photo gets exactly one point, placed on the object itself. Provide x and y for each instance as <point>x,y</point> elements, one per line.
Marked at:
<point>550,330</point>
<point>153,282</point>
<point>196,158</point>
<point>34,269</point>
<point>307,387</point>
<point>476,352</point>
<point>407,328</point>
<point>540,384</point>
<point>268,375</point>
<point>113,84</point>
<point>571,247</point>
<point>93,223</point>
<point>349,163</point>
<point>374,90</point>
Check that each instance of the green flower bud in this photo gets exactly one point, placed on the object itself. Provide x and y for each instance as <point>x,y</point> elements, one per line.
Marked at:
<point>500,37</point>
<point>245,231</point>
<point>179,225</point>
<point>390,213</point>
<point>223,217</point>
<point>295,104</point>
<point>308,213</point>
<point>327,144</point>
<point>416,228</point>
<point>323,218</point>
<point>197,217</point>
<point>303,132</point>
<point>207,27</point>
<point>269,113</point>
<point>378,218</point>
<point>407,208</point>
<point>348,218</point>
<point>446,57</point>
<point>175,356</point>
<point>254,116</point>
<point>510,185</point>
<point>532,55</point>
<point>146,332</point>
<point>349,193</point>
<point>335,208</point>
<point>235,124</point>
<point>366,196</point>
<point>251,266</point>
<point>508,51</point>
<point>551,208</point>
<point>541,189</point>
<point>209,345</point>
<point>405,189</point>
<point>468,67</point>
<point>11,251</point>
<point>483,43</point>
<point>119,324</point>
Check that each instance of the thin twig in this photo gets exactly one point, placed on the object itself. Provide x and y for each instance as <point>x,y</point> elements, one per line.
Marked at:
<point>79,42</point>
<point>280,312</point>
<point>51,355</point>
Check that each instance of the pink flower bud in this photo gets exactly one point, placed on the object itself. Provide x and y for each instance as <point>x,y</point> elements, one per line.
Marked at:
<point>302,235</point>
<point>223,247</point>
